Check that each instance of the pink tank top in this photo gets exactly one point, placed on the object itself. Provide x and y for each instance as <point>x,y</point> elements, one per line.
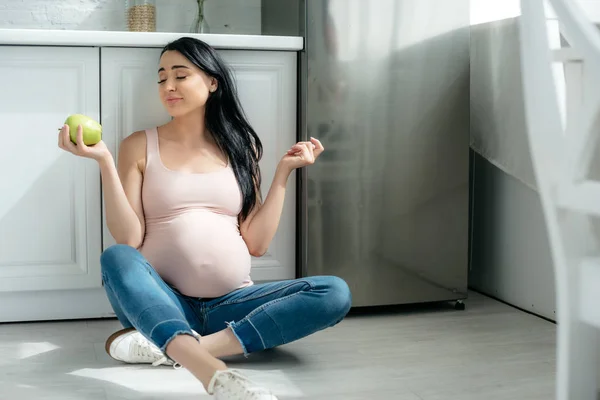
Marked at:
<point>192,235</point>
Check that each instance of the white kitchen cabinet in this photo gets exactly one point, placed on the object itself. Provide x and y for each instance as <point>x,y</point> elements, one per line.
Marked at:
<point>50,209</point>
<point>266,84</point>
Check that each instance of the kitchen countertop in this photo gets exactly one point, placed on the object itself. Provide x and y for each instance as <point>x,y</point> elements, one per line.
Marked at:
<point>56,37</point>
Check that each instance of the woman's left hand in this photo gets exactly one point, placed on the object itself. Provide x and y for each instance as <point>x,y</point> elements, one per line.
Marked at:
<point>302,154</point>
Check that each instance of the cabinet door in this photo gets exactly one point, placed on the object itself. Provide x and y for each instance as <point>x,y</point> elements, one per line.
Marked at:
<point>266,84</point>
<point>50,215</point>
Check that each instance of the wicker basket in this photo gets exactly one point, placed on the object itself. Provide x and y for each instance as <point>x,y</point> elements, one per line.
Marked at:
<point>141,16</point>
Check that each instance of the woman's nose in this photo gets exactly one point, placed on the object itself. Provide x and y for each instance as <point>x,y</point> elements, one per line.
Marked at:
<point>170,85</point>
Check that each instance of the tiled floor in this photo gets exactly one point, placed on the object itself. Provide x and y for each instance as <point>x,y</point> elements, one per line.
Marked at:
<point>489,351</point>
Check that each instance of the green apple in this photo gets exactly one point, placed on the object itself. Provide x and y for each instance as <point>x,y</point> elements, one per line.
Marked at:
<point>92,130</point>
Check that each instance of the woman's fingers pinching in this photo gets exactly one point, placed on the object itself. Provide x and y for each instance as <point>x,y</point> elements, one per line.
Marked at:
<point>318,145</point>
<point>308,151</point>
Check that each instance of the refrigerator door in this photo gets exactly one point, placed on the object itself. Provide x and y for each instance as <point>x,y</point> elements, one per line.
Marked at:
<point>385,87</point>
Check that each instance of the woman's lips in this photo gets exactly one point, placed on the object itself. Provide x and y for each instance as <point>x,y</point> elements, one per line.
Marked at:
<point>173,100</point>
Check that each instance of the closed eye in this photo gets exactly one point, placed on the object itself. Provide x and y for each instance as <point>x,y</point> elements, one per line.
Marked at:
<point>178,77</point>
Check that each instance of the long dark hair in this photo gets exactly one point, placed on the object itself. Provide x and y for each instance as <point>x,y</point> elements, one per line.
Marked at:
<point>225,118</point>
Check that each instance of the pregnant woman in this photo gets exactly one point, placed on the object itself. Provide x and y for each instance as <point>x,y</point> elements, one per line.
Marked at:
<point>183,204</point>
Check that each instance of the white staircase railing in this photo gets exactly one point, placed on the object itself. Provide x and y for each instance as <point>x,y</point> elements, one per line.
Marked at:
<point>570,199</point>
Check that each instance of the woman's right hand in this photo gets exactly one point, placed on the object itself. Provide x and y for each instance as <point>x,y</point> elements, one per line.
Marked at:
<point>98,152</point>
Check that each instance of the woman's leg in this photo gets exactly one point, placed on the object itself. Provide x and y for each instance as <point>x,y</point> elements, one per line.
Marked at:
<point>142,300</point>
<point>271,314</point>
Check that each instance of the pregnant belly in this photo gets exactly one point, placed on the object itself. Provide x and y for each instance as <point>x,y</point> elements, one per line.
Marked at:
<point>201,253</point>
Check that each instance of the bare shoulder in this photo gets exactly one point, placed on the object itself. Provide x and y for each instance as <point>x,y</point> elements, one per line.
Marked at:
<point>134,143</point>
<point>133,149</point>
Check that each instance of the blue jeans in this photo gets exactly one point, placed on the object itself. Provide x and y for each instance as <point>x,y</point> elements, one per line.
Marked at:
<point>261,316</point>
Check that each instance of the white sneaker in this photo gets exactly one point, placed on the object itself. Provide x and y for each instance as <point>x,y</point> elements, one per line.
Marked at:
<point>231,385</point>
<point>130,346</point>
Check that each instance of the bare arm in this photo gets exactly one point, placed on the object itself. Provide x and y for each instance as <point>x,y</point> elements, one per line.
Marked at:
<point>259,228</point>
<point>122,186</point>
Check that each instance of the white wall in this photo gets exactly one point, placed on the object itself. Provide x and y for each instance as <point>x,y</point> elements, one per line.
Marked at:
<point>223,16</point>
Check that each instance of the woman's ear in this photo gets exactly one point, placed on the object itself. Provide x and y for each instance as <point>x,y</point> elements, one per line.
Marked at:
<point>213,84</point>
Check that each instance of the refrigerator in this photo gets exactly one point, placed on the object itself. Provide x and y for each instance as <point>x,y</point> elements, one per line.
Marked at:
<point>385,86</point>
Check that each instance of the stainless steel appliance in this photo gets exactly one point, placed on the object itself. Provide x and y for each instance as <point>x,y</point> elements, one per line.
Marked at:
<point>385,85</point>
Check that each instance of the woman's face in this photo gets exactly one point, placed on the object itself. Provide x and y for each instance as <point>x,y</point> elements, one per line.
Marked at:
<point>183,87</point>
